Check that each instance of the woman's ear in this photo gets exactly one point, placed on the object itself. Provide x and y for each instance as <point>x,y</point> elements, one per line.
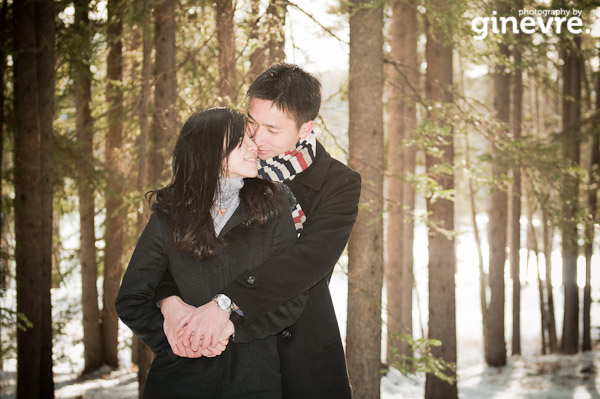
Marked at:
<point>306,128</point>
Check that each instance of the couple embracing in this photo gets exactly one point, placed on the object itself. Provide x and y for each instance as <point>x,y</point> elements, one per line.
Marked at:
<point>228,284</point>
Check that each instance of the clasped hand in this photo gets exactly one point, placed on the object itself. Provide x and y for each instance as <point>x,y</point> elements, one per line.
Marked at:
<point>195,331</point>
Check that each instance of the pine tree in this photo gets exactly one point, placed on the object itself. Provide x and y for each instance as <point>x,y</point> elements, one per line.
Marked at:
<point>442,258</point>
<point>400,163</point>
<point>365,249</point>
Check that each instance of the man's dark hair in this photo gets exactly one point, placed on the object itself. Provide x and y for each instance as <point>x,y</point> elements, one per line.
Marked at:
<point>292,89</point>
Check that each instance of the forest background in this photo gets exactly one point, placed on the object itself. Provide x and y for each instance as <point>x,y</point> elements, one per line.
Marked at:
<point>479,161</point>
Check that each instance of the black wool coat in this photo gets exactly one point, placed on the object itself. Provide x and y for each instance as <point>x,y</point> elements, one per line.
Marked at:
<point>313,365</point>
<point>243,370</point>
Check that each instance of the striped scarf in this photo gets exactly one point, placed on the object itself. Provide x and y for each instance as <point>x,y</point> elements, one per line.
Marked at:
<point>286,166</point>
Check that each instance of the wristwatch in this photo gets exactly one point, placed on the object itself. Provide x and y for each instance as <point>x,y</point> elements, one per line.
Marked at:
<point>224,302</point>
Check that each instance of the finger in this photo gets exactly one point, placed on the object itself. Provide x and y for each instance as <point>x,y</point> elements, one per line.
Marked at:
<point>184,321</point>
<point>209,353</point>
<point>206,342</point>
<point>215,339</point>
<point>196,342</point>
<point>222,345</point>
<point>189,335</point>
<point>193,354</point>
<point>174,347</point>
<point>180,351</point>
<point>219,348</point>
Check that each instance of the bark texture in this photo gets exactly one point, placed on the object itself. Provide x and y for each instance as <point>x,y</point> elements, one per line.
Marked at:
<point>4,271</point>
<point>226,38</point>
<point>45,36</point>
<point>495,345</point>
<point>515,214</point>
<point>114,225</point>
<point>592,206</point>
<point>400,194</point>
<point>365,250</point>
<point>164,121</point>
<point>34,105</point>
<point>268,34</point>
<point>571,104</point>
<point>142,354</point>
<point>82,88</point>
<point>442,257</point>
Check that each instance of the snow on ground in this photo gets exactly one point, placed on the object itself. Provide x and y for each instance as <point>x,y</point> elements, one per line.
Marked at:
<point>530,376</point>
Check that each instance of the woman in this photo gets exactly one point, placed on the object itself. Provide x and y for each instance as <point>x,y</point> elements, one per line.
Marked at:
<point>207,226</point>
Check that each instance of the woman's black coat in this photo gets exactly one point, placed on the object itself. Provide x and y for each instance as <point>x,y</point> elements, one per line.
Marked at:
<point>313,364</point>
<point>244,369</point>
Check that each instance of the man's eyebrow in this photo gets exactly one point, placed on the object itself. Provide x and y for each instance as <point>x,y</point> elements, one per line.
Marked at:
<point>266,124</point>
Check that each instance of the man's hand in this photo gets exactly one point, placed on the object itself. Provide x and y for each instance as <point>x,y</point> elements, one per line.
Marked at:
<point>222,344</point>
<point>202,327</point>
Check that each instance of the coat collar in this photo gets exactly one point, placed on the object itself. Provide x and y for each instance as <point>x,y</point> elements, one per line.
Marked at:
<point>315,174</point>
<point>240,214</point>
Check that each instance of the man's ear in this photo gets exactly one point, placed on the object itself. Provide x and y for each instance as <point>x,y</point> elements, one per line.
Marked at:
<point>306,128</point>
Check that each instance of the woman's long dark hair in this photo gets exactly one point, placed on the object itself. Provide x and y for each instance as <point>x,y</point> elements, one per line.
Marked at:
<point>199,159</point>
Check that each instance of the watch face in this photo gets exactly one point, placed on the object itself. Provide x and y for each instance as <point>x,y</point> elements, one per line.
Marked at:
<point>223,301</point>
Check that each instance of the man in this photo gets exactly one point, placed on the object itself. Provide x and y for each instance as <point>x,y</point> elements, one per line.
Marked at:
<point>284,101</point>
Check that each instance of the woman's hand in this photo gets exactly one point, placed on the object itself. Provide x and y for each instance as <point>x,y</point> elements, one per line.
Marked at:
<point>173,310</point>
<point>202,328</point>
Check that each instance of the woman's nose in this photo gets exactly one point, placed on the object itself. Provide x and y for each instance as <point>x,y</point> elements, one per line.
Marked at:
<point>251,145</point>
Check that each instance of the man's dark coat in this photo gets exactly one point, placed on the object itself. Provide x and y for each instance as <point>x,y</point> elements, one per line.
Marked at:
<point>311,352</point>
<point>313,364</point>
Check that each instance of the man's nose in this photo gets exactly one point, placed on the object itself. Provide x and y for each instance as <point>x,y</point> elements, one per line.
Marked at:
<point>259,136</point>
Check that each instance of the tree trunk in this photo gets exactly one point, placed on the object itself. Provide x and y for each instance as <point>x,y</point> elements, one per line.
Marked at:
<point>495,346</point>
<point>483,279</point>
<point>226,39</point>
<point>268,37</point>
<point>143,115</point>
<point>275,24</point>
<point>515,238</point>
<point>398,271</point>
<point>82,82</point>
<point>164,121</point>
<point>548,232</point>
<point>45,36</point>
<point>33,102</point>
<point>592,207</point>
<point>141,353</point>
<point>257,57</point>
<point>570,193</point>
<point>534,240</point>
<point>115,219</point>
<point>543,310</point>
<point>365,250</point>
<point>4,271</point>
<point>442,258</point>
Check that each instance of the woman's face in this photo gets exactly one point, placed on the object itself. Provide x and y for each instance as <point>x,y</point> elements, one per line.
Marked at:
<point>242,160</point>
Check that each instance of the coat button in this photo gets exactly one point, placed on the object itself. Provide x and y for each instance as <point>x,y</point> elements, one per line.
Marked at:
<point>286,334</point>
<point>251,280</point>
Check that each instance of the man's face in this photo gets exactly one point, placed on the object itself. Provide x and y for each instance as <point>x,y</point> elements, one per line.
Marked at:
<point>273,131</point>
